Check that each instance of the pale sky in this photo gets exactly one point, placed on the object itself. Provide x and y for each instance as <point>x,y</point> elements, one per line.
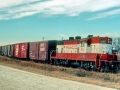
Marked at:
<point>31,20</point>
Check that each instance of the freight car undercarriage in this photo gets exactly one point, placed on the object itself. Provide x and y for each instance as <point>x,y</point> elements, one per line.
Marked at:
<point>111,66</point>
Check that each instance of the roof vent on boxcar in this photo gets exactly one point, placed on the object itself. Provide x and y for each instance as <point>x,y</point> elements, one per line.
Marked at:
<point>90,36</point>
<point>78,37</point>
<point>71,38</point>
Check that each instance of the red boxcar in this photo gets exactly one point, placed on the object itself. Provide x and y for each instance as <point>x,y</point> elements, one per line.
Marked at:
<point>45,49</point>
<point>21,50</point>
<point>33,50</point>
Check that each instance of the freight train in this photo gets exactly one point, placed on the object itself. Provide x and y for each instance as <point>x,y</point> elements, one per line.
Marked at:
<point>91,53</point>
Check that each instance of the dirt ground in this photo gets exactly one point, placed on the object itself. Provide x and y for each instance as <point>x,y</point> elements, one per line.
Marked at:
<point>14,79</point>
<point>102,79</point>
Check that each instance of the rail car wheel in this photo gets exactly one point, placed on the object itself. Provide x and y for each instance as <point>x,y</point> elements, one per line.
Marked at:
<point>114,67</point>
<point>104,69</point>
<point>52,61</point>
<point>56,62</point>
<point>90,66</point>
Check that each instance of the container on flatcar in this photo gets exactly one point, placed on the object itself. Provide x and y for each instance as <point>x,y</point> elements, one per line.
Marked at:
<point>45,49</point>
<point>33,50</point>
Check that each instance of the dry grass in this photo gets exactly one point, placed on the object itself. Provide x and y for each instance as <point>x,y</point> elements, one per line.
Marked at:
<point>102,79</point>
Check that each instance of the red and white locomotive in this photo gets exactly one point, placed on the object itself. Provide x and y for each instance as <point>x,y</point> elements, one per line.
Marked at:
<point>93,53</point>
